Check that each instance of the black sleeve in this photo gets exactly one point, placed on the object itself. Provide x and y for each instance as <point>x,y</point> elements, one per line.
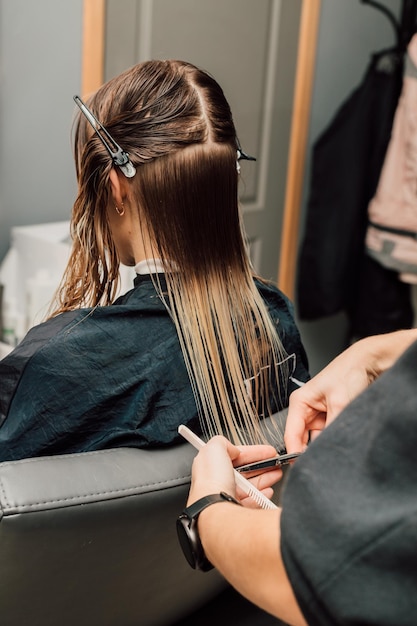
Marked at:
<point>349,522</point>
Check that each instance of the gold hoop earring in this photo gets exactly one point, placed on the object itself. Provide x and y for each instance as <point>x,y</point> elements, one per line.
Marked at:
<point>120,211</point>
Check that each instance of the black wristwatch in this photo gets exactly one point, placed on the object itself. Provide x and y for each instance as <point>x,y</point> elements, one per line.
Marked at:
<point>188,532</point>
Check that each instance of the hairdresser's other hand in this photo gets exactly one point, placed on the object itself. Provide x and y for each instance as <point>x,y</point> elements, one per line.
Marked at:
<point>315,405</point>
<point>212,470</point>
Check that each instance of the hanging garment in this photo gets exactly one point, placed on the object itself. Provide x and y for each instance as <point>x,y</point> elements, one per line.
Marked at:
<point>346,164</point>
<point>383,303</point>
<point>391,237</point>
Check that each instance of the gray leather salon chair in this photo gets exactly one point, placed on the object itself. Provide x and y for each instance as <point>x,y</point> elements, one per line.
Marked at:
<point>90,540</point>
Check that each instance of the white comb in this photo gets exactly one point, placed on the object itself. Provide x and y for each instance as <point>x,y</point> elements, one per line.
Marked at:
<point>262,501</point>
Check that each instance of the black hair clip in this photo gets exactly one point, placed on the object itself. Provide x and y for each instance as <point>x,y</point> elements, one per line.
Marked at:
<point>242,156</point>
<point>119,156</point>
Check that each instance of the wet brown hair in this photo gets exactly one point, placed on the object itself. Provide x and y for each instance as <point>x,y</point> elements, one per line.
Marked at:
<point>177,127</point>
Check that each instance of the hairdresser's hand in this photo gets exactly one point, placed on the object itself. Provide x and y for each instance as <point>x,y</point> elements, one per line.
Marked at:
<point>212,470</point>
<point>315,405</point>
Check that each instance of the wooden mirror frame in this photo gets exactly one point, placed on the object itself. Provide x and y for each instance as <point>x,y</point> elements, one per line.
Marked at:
<point>303,91</point>
<point>92,76</point>
<point>93,45</point>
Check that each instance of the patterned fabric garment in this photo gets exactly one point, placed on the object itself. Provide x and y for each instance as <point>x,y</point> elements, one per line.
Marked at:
<point>109,377</point>
<point>391,238</point>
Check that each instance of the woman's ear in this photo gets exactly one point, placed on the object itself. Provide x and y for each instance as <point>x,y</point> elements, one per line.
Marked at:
<point>117,187</point>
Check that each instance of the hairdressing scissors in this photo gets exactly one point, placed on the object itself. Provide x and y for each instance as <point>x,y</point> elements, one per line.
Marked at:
<point>275,461</point>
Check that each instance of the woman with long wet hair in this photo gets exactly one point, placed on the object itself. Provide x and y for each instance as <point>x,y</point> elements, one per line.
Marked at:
<point>200,339</point>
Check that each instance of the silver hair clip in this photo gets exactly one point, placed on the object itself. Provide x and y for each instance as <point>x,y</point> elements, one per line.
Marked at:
<point>119,156</point>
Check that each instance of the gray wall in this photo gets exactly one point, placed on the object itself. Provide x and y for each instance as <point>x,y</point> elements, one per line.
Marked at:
<point>40,65</point>
<point>349,33</point>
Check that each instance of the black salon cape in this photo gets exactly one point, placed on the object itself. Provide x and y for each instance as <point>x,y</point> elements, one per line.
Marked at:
<point>109,377</point>
<point>349,521</point>
<point>334,273</point>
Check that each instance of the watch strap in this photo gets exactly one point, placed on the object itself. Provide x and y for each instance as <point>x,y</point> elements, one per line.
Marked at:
<point>194,510</point>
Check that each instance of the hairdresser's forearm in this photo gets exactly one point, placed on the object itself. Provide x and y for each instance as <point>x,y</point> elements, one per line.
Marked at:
<point>244,545</point>
<point>383,350</point>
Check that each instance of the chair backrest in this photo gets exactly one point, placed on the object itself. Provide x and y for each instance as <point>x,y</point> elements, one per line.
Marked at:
<point>90,540</point>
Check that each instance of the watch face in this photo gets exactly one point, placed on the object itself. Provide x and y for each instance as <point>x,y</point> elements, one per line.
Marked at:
<point>187,537</point>
<point>188,532</point>
<point>191,544</point>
